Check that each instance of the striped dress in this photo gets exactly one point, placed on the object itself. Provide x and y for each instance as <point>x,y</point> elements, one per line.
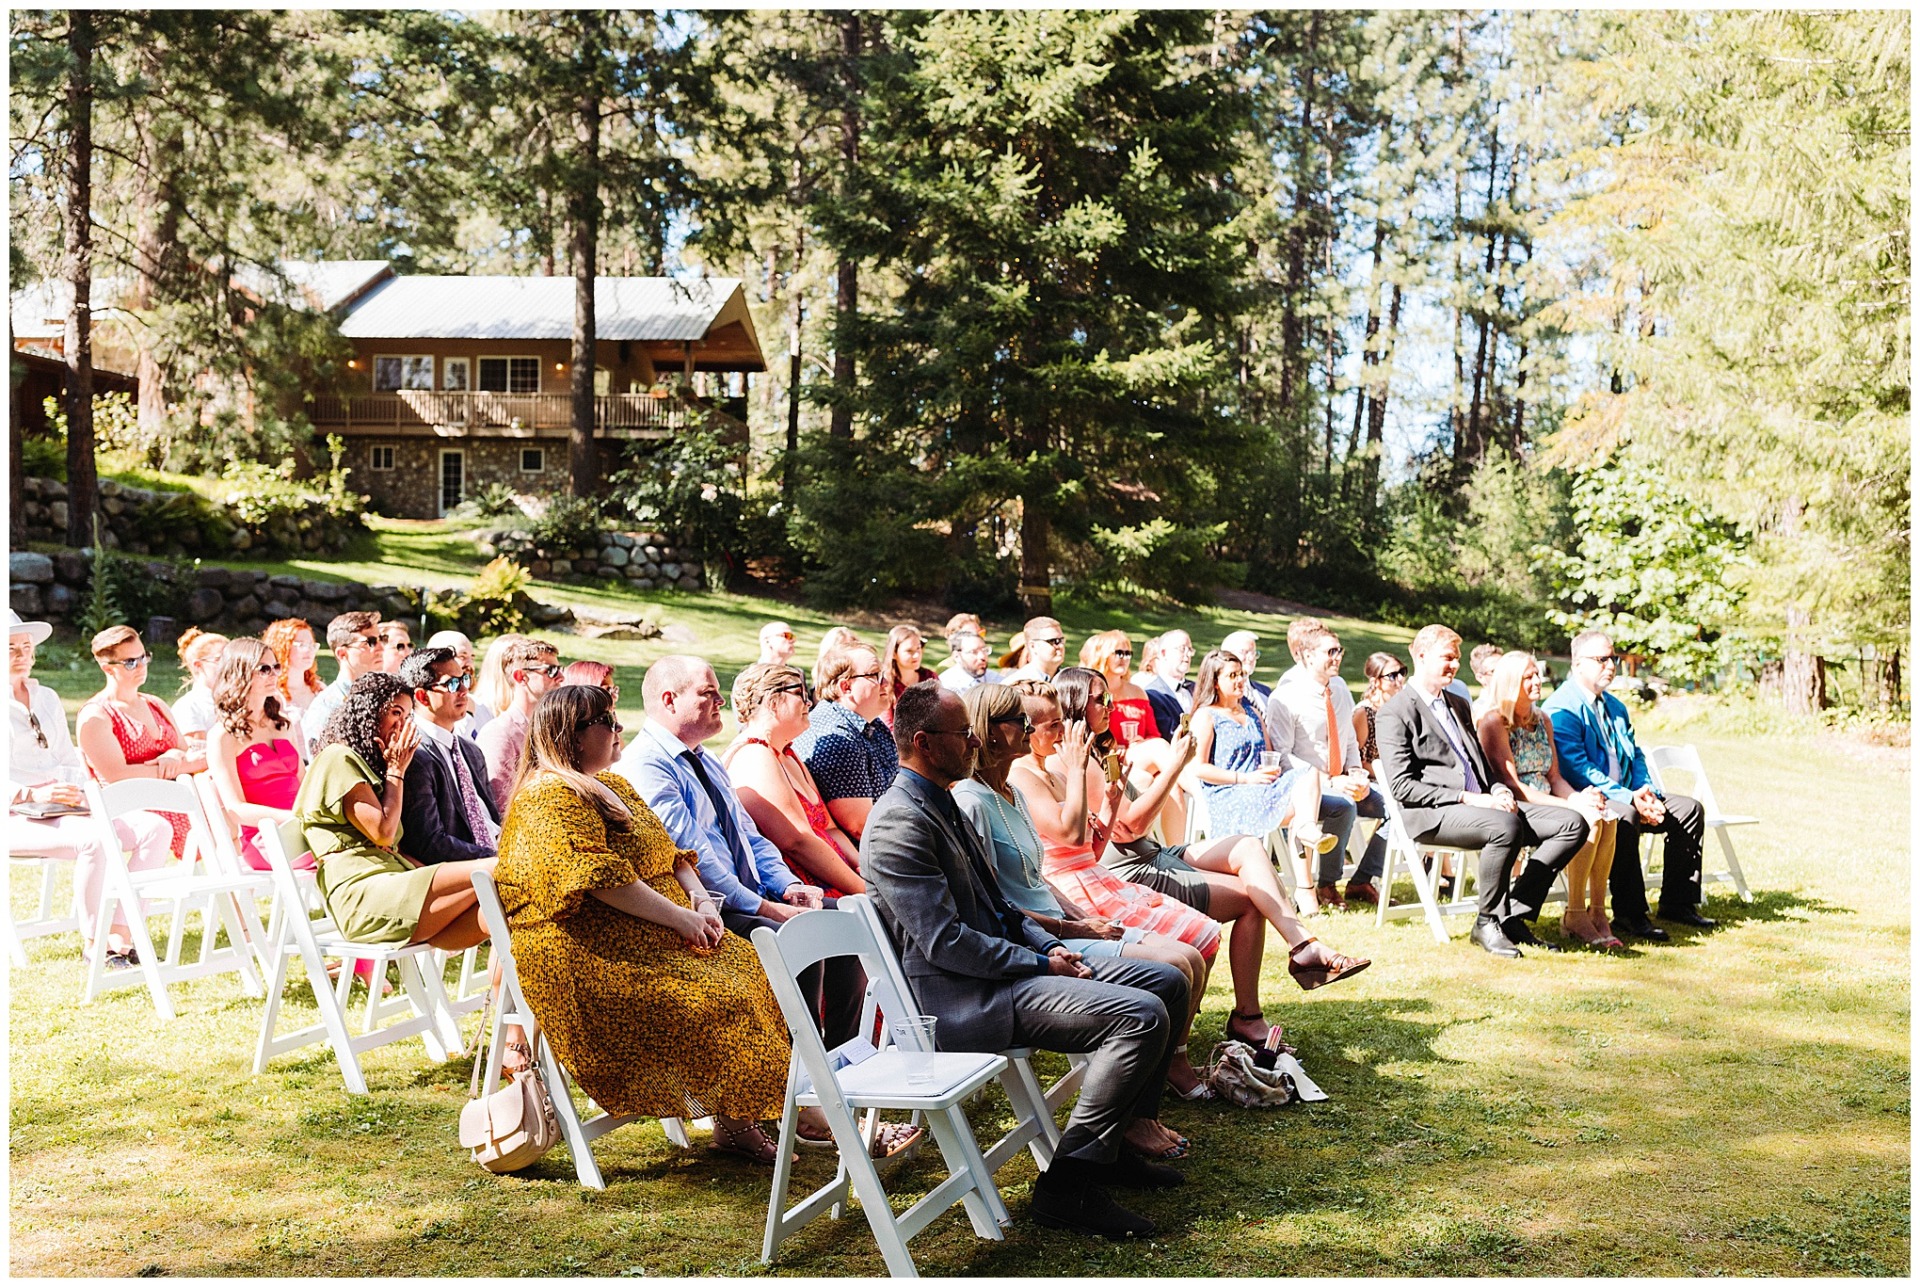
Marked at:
<point>1074,874</point>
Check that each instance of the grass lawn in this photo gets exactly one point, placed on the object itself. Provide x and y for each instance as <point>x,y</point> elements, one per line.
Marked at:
<point>1734,1103</point>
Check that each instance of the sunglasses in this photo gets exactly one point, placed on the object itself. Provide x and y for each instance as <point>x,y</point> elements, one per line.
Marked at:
<point>1026,725</point>
<point>39,734</point>
<point>791,688</point>
<point>1104,699</point>
<point>1121,652</point>
<point>267,668</point>
<point>551,672</point>
<point>1609,660</point>
<point>1393,674</point>
<point>451,683</point>
<point>1054,642</point>
<point>605,721</point>
<point>363,641</point>
<point>131,663</point>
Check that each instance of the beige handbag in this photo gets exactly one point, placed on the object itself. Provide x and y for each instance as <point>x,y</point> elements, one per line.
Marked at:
<point>512,1127</point>
<point>1236,1077</point>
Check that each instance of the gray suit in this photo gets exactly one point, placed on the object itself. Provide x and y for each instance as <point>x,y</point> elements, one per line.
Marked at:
<point>1425,774</point>
<point>980,966</point>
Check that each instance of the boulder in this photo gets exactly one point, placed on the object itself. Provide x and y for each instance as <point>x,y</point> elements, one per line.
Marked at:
<point>57,515</point>
<point>285,581</point>
<point>113,505</point>
<point>651,550</point>
<point>633,571</point>
<point>70,567</point>
<point>26,567</point>
<point>203,605</point>
<point>620,539</point>
<point>244,607</point>
<point>395,608</point>
<point>53,489</point>
<point>615,556</point>
<point>107,487</point>
<point>326,591</point>
<point>671,571</point>
<point>60,600</point>
<point>540,567</point>
<point>25,598</point>
<point>243,539</point>
<point>643,583</point>
<point>212,578</point>
<point>277,609</point>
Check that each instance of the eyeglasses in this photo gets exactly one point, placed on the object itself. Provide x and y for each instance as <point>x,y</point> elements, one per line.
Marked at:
<point>1026,725</point>
<point>363,641</point>
<point>791,688</point>
<point>400,647</point>
<point>267,668</point>
<point>870,675</point>
<point>39,734</point>
<point>451,683</point>
<point>966,732</point>
<point>613,691</point>
<point>551,672</point>
<point>1336,650</point>
<point>130,663</point>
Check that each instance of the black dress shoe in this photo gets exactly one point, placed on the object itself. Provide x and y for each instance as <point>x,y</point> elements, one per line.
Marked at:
<point>1071,1203</point>
<point>1487,933</point>
<point>1639,927</point>
<point>1131,1171</point>
<point>1688,916</point>
<point>1518,931</point>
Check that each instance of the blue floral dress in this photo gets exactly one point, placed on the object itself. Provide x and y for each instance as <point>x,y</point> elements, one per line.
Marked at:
<point>1533,751</point>
<point>1252,808</point>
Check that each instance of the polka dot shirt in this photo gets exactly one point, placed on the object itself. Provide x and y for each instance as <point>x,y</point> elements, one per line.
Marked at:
<point>850,758</point>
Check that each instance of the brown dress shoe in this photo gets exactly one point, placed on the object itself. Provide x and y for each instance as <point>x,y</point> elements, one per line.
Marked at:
<point>1363,892</point>
<point>1328,897</point>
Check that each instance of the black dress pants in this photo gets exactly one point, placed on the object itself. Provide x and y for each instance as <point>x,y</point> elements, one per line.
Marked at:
<point>835,988</point>
<point>1684,828</point>
<point>1555,834</point>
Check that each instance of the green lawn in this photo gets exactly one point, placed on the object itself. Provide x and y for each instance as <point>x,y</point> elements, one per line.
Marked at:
<point>1735,1103</point>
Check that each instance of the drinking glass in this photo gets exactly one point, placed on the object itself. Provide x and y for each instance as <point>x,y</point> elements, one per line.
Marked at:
<point>913,1034</point>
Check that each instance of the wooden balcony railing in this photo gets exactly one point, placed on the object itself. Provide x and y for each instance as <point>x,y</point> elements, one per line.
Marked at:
<point>619,414</point>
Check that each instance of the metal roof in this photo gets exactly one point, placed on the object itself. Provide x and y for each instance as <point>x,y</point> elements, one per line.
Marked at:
<point>536,308</point>
<point>322,285</point>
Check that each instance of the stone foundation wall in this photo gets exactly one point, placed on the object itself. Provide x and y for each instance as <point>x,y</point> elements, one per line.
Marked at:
<point>411,489</point>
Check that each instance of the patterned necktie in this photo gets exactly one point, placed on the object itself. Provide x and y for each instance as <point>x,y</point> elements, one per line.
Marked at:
<point>477,820</point>
<point>1334,761</point>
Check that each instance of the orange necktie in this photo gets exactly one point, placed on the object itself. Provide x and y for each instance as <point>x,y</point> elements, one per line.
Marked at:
<point>1333,739</point>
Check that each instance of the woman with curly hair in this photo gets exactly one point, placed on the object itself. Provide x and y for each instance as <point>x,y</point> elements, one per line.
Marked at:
<point>349,806</point>
<point>254,768</point>
<point>294,648</point>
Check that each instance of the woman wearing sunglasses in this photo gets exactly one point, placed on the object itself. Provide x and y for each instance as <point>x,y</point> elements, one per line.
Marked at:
<point>125,733</point>
<point>255,766</point>
<point>1132,732</point>
<point>776,789</point>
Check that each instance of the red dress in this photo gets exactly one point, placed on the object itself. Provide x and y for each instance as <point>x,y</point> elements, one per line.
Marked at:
<point>140,746</point>
<point>817,818</point>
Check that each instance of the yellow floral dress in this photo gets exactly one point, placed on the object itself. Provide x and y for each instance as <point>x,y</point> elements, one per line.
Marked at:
<point>643,1022</point>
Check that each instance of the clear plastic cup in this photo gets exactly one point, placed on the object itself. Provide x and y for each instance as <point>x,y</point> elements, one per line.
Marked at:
<point>1271,759</point>
<point>913,1034</point>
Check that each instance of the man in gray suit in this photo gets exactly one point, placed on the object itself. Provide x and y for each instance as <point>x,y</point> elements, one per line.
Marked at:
<point>1440,777</point>
<point>994,979</point>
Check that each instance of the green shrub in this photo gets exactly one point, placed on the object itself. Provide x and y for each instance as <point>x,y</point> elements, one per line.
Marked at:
<point>1158,560</point>
<point>690,488</point>
<point>491,605</point>
<point>567,523</point>
<point>495,500</point>
<point>44,457</point>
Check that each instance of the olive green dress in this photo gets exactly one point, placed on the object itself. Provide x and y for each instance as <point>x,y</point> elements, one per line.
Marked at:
<point>644,1023</point>
<point>373,894</point>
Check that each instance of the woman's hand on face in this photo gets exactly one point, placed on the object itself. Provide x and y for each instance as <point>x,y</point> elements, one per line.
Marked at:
<point>1074,742</point>
<point>399,748</point>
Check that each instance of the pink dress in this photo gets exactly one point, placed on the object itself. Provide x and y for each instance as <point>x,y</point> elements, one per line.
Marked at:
<point>1071,870</point>
<point>269,775</point>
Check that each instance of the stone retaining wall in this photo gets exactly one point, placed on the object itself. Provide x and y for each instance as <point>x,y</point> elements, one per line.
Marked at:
<point>139,521</point>
<point>645,560</point>
<point>233,601</point>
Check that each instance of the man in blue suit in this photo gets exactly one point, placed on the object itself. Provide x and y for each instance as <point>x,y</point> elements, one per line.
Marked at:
<point>1593,736</point>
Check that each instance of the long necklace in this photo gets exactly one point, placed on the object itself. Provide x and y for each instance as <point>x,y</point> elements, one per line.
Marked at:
<point>1028,867</point>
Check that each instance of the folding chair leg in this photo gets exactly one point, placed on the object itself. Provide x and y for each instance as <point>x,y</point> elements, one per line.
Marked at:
<point>585,1168</point>
<point>984,1207</point>
<point>1733,863</point>
<point>424,993</point>
<point>865,1179</point>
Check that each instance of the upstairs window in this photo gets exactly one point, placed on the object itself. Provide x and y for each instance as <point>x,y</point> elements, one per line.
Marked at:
<point>380,458</point>
<point>510,374</point>
<point>391,372</point>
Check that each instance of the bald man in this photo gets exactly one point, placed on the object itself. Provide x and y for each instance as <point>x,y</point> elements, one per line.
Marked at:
<point>776,643</point>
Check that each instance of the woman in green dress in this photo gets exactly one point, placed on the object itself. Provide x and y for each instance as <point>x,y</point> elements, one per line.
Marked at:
<point>349,806</point>
<point>650,1003</point>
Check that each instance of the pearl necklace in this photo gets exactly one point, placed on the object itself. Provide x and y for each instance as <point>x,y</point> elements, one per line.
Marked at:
<point>1028,868</point>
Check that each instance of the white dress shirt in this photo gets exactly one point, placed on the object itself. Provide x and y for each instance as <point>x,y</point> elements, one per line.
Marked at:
<point>28,762</point>
<point>1297,721</point>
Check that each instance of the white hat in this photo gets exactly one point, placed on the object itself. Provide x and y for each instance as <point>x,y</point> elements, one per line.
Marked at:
<point>34,630</point>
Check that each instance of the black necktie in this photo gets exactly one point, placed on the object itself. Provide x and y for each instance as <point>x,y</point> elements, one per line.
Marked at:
<point>720,810</point>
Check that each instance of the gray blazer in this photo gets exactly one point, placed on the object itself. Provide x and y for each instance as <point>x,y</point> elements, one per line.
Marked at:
<point>1423,771</point>
<point>957,953</point>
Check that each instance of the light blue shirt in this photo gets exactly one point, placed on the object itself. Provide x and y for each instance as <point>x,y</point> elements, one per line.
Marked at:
<point>654,762</point>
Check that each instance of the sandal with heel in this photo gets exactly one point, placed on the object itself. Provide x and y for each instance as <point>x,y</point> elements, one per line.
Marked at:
<point>1317,974</point>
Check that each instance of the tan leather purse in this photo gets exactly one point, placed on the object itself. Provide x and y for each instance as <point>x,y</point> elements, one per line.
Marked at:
<point>513,1127</point>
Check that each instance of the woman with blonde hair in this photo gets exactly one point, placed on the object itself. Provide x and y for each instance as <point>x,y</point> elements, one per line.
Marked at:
<point>1518,739</point>
<point>653,1007</point>
<point>492,689</point>
<point>193,714</point>
<point>773,783</point>
<point>294,649</point>
<point>255,769</point>
<point>1144,753</point>
<point>833,641</point>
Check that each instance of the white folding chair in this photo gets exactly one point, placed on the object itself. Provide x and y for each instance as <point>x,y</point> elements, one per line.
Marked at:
<point>1034,1127</point>
<point>514,1010</point>
<point>43,922</point>
<point>855,1077</point>
<point>194,884</point>
<point>1403,854</point>
<point>225,857</point>
<point>313,941</point>
<point>1686,759</point>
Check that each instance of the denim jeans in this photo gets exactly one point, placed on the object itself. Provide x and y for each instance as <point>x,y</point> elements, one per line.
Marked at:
<point>1339,815</point>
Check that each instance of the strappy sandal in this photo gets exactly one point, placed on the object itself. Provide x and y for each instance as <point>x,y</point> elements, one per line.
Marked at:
<point>748,1141</point>
<point>1320,973</point>
<point>1235,1034</point>
<point>508,1064</point>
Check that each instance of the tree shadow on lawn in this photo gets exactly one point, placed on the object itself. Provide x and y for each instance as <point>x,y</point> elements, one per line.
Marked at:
<point>1769,907</point>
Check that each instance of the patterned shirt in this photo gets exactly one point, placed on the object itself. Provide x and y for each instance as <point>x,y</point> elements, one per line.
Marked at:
<point>850,758</point>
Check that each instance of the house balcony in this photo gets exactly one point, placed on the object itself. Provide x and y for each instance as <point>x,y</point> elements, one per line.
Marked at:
<point>436,413</point>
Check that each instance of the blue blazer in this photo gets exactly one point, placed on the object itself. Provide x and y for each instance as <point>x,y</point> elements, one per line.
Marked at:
<point>1580,739</point>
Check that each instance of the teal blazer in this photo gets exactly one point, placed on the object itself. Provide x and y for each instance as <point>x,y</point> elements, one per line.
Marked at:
<point>1581,738</point>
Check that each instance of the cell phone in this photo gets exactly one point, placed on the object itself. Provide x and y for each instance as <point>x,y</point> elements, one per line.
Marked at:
<point>1113,766</point>
<point>1186,722</point>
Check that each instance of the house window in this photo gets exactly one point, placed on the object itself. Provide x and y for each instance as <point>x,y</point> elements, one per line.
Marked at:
<point>453,479</point>
<point>602,382</point>
<point>454,375</point>
<point>510,374</point>
<point>533,460</point>
<point>402,372</point>
<point>380,458</point>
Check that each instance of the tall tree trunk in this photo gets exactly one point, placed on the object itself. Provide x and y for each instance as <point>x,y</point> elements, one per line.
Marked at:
<point>16,452</point>
<point>1369,357</point>
<point>156,246</point>
<point>1803,672</point>
<point>1377,410</point>
<point>82,484</point>
<point>1292,325</point>
<point>1476,446</point>
<point>584,215</point>
<point>1886,679</point>
<point>1036,568</point>
<point>795,322</point>
<point>846,285</point>
<point>1455,425</point>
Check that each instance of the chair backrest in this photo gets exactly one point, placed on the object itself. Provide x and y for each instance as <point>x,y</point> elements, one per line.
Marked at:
<point>1682,759</point>
<point>223,849</point>
<point>279,845</point>
<point>863,906</point>
<point>110,801</point>
<point>494,917</point>
<point>820,935</point>
<point>1397,833</point>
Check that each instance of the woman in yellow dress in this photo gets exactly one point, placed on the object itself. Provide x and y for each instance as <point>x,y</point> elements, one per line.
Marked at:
<point>652,1006</point>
